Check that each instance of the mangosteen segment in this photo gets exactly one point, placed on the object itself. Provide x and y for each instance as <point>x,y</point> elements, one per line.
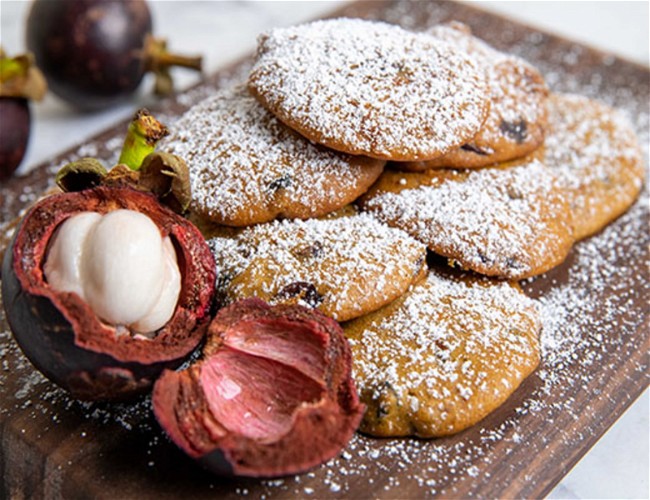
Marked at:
<point>273,394</point>
<point>119,264</point>
<point>60,333</point>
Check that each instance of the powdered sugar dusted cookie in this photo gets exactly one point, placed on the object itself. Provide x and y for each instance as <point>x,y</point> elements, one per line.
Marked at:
<point>517,119</point>
<point>210,229</point>
<point>442,357</point>
<point>246,167</point>
<point>370,88</point>
<point>345,267</point>
<point>511,221</point>
<point>596,153</point>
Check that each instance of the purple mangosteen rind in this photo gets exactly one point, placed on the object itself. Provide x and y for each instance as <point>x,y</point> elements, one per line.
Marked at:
<point>317,431</point>
<point>14,130</point>
<point>59,332</point>
<point>90,51</point>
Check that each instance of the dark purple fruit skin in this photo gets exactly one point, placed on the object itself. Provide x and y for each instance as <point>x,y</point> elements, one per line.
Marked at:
<point>90,51</point>
<point>15,123</point>
<point>59,333</point>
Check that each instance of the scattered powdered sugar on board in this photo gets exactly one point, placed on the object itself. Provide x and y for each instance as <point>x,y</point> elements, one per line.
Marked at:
<point>600,275</point>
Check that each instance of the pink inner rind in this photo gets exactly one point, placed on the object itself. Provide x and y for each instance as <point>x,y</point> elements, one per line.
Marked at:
<point>246,410</point>
<point>253,396</point>
<point>293,343</point>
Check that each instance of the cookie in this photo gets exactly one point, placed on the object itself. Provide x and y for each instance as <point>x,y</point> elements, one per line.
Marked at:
<point>516,122</point>
<point>345,267</point>
<point>511,221</point>
<point>370,88</point>
<point>445,355</point>
<point>211,229</point>
<point>246,167</point>
<point>597,157</point>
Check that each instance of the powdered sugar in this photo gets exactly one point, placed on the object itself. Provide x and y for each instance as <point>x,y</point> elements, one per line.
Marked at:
<point>595,153</point>
<point>344,266</point>
<point>517,94</point>
<point>600,280</point>
<point>246,167</point>
<point>513,95</point>
<point>370,88</point>
<point>510,222</point>
<point>450,352</point>
<point>595,326</point>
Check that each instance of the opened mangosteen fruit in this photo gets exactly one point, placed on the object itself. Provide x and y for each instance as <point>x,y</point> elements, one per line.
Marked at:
<point>104,288</point>
<point>271,396</point>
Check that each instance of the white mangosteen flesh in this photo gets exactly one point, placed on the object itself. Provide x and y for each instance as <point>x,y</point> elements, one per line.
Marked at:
<point>120,264</point>
<point>64,256</point>
<point>161,312</point>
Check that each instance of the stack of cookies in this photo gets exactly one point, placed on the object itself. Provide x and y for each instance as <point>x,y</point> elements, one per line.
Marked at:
<point>356,153</point>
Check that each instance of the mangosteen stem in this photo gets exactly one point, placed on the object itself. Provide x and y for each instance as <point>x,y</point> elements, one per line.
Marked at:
<point>20,78</point>
<point>159,60</point>
<point>11,68</point>
<point>168,59</point>
<point>143,134</point>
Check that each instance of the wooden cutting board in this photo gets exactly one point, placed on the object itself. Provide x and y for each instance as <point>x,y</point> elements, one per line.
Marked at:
<point>595,345</point>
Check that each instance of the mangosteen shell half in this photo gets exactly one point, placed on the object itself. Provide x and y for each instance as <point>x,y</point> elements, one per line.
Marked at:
<point>222,418</point>
<point>63,337</point>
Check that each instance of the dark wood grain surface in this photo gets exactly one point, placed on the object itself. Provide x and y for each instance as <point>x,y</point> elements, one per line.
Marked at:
<point>595,340</point>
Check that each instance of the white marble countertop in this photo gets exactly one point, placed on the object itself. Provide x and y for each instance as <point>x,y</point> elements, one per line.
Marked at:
<point>618,465</point>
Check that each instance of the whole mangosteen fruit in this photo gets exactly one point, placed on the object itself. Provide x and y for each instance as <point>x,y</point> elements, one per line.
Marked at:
<point>61,301</point>
<point>95,53</point>
<point>271,396</point>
